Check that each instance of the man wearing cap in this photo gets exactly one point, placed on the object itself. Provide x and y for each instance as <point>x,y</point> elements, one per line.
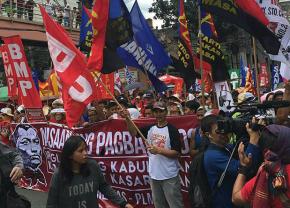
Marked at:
<point>148,98</point>
<point>164,148</point>
<point>112,110</point>
<point>58,116</point>
<point>7,118</point>
<point>58,103</point>
<point>19,114</point>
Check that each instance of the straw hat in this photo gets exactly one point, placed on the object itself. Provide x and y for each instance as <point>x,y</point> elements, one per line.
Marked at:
<point>57,102</point>
<point>7,111</point>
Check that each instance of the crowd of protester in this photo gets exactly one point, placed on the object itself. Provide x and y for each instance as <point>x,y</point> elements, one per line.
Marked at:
<point>24,9</point>
<point>257,174</point>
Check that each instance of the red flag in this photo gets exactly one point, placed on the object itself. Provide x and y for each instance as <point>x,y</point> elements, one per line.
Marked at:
<point>9,72</point>
<point>252,8</point>
<point>208,83</point>
<point>249,86</point>
<point>100,13</point>
<point>187,59</point>
<point>27,91</point>
<point>78,86</point>
<point>108,80</point>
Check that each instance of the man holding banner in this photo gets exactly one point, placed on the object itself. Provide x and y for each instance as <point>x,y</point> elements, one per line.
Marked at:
<point>164,146</point>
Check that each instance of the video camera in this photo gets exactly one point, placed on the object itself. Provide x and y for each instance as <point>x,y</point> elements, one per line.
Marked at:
<point>247,112</point>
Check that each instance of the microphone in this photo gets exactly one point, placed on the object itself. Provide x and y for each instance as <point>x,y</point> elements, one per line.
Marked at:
<point>274,104</point>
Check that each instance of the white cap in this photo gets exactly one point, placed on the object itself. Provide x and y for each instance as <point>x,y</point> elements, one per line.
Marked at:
<point>20,108</point>
<point>57,110</point>
<point>134,113</point>
<point>7,111</point>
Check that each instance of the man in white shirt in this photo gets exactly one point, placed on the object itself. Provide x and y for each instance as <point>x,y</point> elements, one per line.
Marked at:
<point>164,148</point>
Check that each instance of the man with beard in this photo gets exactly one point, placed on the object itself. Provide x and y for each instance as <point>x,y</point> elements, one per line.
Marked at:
<point>28,144</point>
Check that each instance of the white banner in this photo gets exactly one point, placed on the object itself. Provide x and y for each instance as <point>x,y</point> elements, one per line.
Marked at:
<point>224,96</point>
<point>278,25</point>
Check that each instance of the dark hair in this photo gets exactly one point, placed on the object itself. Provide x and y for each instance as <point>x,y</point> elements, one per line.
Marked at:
<point>192,105</point>
<point>65,166</point>
<point>207,122</point>
<point>268,95</point>
<point>278,93</point>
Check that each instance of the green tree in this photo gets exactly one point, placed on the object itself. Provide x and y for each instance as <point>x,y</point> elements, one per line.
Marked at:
<point>167,10</point>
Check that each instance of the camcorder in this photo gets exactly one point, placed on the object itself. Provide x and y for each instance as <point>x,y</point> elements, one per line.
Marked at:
<point>265,111</point>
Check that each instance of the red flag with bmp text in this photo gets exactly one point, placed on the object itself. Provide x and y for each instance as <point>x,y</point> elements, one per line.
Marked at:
<point>9,72</point>
<point>27,92</point>
<point>78,85</point>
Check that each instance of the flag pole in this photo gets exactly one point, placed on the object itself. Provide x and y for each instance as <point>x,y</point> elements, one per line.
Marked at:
<point>121,107</point>
<point>256,68</point>
<point>201,58</point>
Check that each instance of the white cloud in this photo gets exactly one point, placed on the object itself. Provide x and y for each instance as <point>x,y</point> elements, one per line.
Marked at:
<point>144,6</point>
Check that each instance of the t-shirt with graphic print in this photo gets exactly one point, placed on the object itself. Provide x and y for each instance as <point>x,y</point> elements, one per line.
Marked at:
<point>167,137</point>
<point>81,192</point>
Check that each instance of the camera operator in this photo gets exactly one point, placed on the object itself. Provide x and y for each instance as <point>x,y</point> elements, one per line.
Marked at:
<point>216,158</point>
<point>270,187</point>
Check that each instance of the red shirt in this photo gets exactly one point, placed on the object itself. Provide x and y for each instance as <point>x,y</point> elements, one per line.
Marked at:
<point>275,202</point>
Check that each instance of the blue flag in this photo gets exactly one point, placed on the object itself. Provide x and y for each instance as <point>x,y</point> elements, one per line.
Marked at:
<point>242,73</point>
<point>129,77</point>
<point>276,77</point>
<point>119,27</point>
<point>86,31</point>
<point>144,51</point>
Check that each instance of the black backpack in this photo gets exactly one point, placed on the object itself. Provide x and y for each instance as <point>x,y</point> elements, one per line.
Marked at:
<point>200,194</point>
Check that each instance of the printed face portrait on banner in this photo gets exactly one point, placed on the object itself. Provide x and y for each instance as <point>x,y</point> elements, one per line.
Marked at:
<point>28,144</point>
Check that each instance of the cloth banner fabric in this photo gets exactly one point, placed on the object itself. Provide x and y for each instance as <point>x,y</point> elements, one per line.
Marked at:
<point>177,81</point>
<point>211,48</point>
<point>9,72</point>
<point>86,31</point>
<point>78,86</point>
<point>144,51</point>
<point>277,76</point>
<point>184,63</point>
<point>108,80</point>
<point>27,92</point>
<point>263,76</point>
<point>100,14</point>
<point>122,159</point>
<point>224,96</point>
<point>235,77</point>
<point>285,71</point>
<point>280,26</point>
<point>248,15</point>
